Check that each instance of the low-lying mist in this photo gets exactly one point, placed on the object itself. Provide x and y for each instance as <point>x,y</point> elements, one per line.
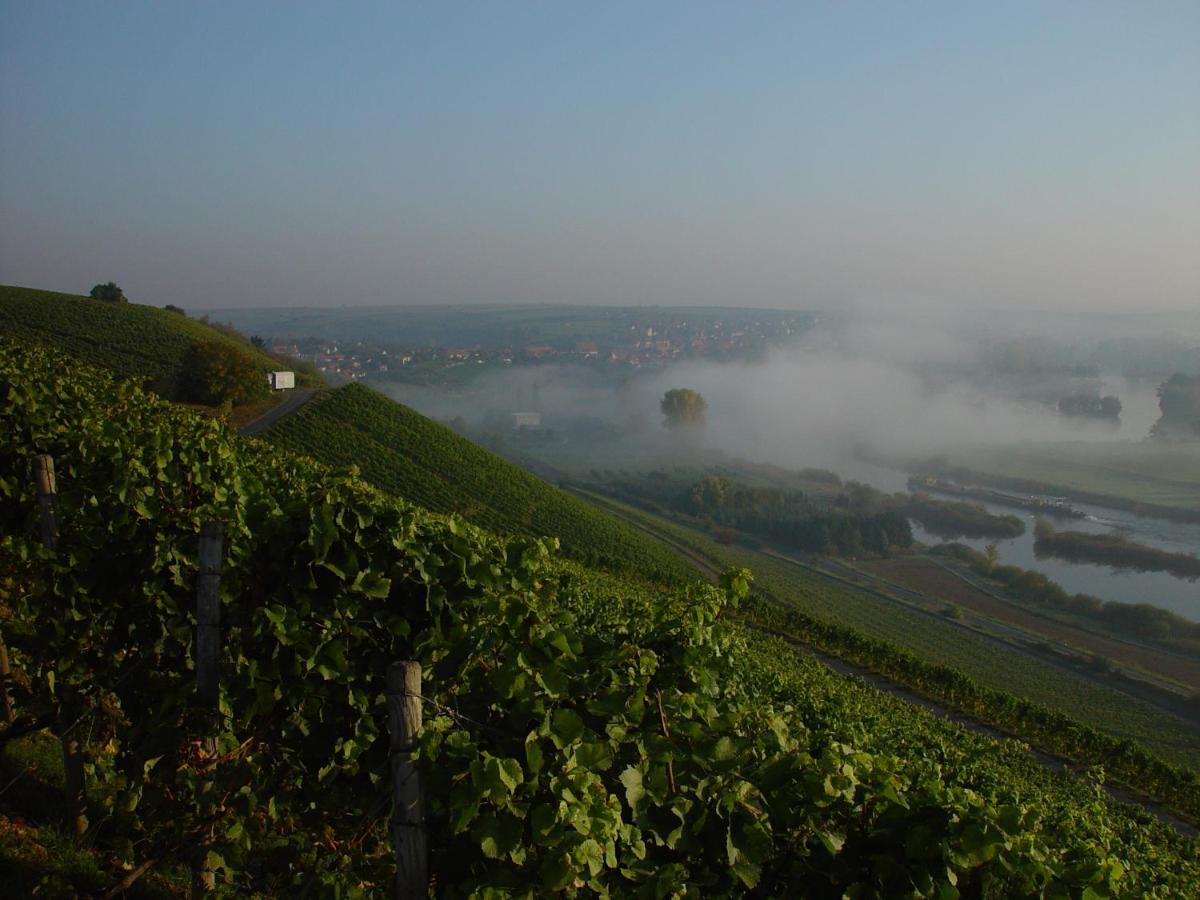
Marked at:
<point>891,390</point>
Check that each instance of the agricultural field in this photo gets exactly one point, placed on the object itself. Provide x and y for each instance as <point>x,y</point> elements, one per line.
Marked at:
<point>933,580</point>
<point>413,457</point>
<point>585,731</point>
<point>993,666</point>
<point>1166,475</point>
<point>127,338</point>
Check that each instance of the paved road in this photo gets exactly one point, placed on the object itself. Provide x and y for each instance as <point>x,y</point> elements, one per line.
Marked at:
<point>294,401</point>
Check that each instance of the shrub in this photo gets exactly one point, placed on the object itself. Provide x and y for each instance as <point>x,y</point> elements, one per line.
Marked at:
<point>108,292</point>
<point>216,372</point>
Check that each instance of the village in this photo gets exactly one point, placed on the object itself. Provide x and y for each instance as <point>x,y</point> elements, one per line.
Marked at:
<point>637,347</point>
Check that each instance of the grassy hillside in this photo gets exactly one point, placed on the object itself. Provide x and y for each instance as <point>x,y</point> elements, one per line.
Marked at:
<point>126,338</point>
<point>413,457</point>
<point>583,733</point>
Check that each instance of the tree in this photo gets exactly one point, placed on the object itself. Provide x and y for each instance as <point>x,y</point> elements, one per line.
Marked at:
<point>171,307</point>
<point>683,407</point>
<point>1179,401</point>
<point>109,292</point>
<point>217,371</point>
<point>258,342</point>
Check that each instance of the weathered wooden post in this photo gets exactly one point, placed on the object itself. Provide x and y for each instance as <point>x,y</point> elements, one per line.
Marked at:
<point>208,686</point>
<point>73,793</point>
<point>208,613</point>
<point>10,712</point>
<point>408,817</point>
<point>43,476</point>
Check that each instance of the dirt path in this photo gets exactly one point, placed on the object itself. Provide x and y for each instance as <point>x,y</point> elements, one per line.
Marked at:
<point>295,400</point>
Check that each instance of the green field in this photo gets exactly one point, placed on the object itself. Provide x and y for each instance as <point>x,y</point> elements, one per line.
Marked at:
<point>413,457</point>
<point>1164,475</point>
<point>127,338</point>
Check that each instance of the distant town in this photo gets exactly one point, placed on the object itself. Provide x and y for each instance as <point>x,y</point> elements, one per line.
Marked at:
<point>635,347</point>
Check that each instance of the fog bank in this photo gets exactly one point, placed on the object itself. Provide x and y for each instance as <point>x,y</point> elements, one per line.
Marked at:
<point>887,387</point>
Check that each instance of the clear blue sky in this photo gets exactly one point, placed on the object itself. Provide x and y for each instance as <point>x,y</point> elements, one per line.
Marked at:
<point>782,154</point>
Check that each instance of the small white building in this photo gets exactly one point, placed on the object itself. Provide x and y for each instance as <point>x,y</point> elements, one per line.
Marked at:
<point>281,381</point>
<point>526,420</point>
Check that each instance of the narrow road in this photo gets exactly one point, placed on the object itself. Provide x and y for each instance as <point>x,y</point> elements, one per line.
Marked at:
<point>294,401</point>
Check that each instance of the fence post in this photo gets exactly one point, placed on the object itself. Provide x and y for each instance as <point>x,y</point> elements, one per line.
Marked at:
<point>72,754</point>
<point>76,802</point>
<point>10,713</point>
<point>208,613</point>
<point>408,817</point>
<point>43,476</point>
<point>208,688</point>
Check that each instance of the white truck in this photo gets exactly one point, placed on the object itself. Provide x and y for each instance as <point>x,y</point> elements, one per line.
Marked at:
<point>281,381</point>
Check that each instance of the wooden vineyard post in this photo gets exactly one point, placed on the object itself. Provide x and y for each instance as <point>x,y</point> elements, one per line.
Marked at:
<point>77,821</point>
<point>73,794</point>
<point>208,687</point>
<point>408,818</point>
<point>43,476</point>
<point>10,712</point>
<point>208,613</point>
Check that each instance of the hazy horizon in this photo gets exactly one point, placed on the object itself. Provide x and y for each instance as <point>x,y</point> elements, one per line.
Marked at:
<point>1024,156</point>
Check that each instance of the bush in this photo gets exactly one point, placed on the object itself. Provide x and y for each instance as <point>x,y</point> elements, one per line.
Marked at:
<point>108,292</point>
<point>217,372</point>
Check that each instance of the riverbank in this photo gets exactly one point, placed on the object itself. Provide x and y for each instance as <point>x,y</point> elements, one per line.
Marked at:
<point>1141,478</point>
<point>1112,550</point>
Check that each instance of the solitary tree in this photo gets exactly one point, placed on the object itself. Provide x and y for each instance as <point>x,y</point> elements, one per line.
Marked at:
<point>109,292</point>
<point>683,407</point>
<point>258,342</point>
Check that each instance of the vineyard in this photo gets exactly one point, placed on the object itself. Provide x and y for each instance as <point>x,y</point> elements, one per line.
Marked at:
<point>586,733</point>
<point>406,454</point>
<point>126,338</point>
<point>1070,716</point>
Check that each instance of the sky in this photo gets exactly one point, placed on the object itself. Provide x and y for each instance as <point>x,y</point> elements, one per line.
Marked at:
<point>1013,155</point>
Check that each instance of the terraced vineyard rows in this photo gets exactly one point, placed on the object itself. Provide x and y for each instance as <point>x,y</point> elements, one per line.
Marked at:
<point>587,732</point>
<point>403,452</point>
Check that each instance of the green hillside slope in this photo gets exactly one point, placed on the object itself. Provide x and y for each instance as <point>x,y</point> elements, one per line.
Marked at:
<point>126,338</point>
<point>583,734</point>
<point>413,457</point>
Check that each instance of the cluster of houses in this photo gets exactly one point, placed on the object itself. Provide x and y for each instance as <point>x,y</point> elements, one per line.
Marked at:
<point>638,347</point>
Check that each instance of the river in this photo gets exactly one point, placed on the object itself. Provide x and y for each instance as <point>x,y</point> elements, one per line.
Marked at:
<point>1156,588</point>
